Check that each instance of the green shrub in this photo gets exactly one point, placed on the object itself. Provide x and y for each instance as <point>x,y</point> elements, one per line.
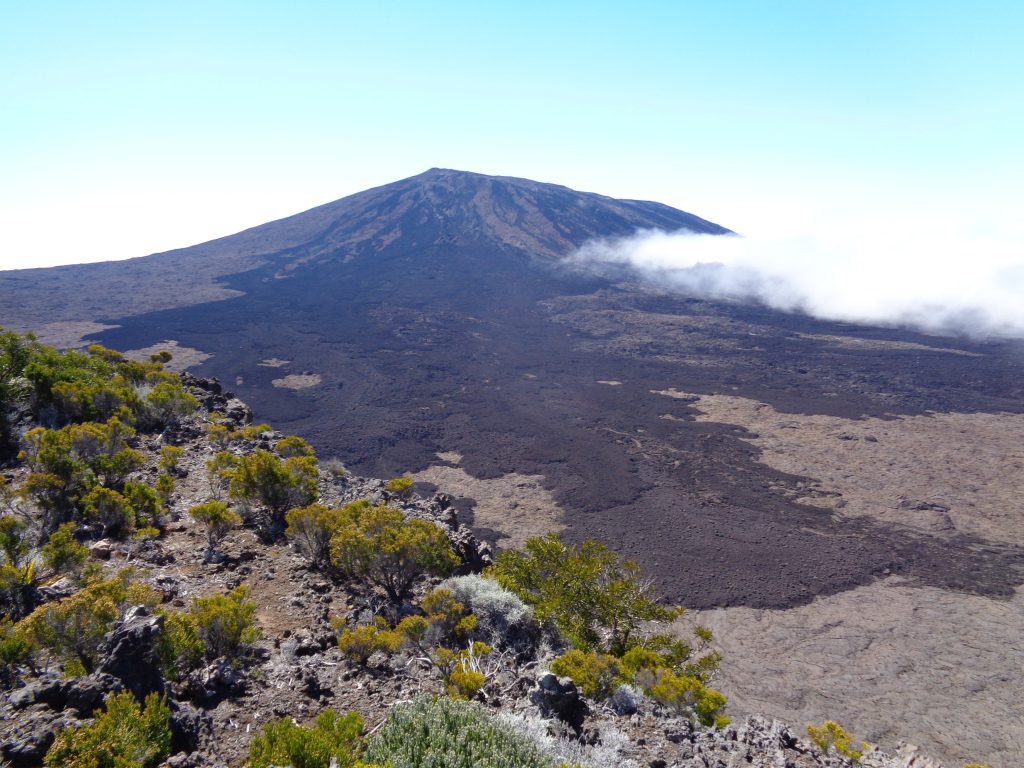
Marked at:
<point>596,674</point>
<point>447,618</point>
<point>63,553</point>
<point>831,736</point>
<point>445,733</point>
<point>179,645</point>
<point>311,529</point>
<point>262,478</point>
<point>145,503</point>
<point>170,455</point>
<point>124,735</point>
<point>12,539</point>
<point>14,650</point>
<point>360,643</point>
<point>461,670</point>
<point>380,545</point>
<point>17,588</point>
<point>331,735</point>
<point>595,599</point>
<point>218,520</point>
<point>225,622</point>
<point>293,447</point>
<point>73,628</point>
<point>400,486</point>
<point>164,487</point>
<point>688,696</point>
<point>109,509</point>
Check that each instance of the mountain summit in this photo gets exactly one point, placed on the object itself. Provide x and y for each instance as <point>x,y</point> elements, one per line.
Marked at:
<point>440,208</point>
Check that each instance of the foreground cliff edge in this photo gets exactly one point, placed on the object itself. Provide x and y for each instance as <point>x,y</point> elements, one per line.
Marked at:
<point>180,585</point>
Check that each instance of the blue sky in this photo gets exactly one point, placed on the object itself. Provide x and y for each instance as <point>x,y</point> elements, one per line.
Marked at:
<point>130,128</point>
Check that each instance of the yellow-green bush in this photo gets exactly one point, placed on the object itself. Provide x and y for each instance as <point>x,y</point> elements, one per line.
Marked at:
<point>595,599</point>
<point>331,735</point>
<point>124,735</point>
<point>596,674</point>
<point>831,736</point>
<point>378,544</point>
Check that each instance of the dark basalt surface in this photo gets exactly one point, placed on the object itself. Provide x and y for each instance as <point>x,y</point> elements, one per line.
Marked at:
<point>439,333</point>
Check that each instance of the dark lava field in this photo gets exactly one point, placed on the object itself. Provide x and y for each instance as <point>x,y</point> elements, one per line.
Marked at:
<point>437,316</point>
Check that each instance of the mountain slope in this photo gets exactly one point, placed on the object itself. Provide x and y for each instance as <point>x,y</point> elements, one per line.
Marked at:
<point>437,208</point>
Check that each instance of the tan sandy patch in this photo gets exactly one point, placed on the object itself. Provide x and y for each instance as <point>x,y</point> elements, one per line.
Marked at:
<point>941,472</point>
<point>517,506</point>
<point>69,335</point>
<point>942,670</point>
<point>298,381</point>
<point>852,342</point>
<point>183,357</point>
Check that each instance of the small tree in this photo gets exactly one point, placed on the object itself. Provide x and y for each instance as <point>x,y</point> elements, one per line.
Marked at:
<point>218,520</point>
<point>124,735</point>
<point>380,545</point>
<point>63,553</point>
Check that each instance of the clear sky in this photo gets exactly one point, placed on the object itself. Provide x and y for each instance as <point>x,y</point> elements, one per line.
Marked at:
<point>130,128</point>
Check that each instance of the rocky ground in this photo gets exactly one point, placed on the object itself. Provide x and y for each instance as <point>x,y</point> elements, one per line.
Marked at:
<point>296,669</point>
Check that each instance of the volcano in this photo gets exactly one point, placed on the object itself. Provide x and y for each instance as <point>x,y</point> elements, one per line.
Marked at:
<point>432,326</point>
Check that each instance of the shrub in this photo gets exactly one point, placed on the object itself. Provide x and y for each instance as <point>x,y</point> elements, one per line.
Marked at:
<point>110,510</point>
<point>218,520</point>
<point>597,674</point>
<point>311,528</point>
<point>262,478</point>
<point>12,539</point>
<point>595,599</point>
<point>166,403</point>
<point>145,502</point>
<point>17,588</point>
<point>170,455</point>
<point>225,622</point>
<point>124,735</point>
<point>164,487</point>
<point>461,670</point>
<point>830,735</point>
<point>688,696</point>
<point>360,643</point>
<point>400,486</point>
<point>445,733</point>
<point>292,447</point>
<point>73,628</point>
<point>63,553</point>
<point>502,617</point>
<point>179,645</point>
<point>14,650</point>
<point>447,618</point>
<point>380,545</point>
<point>331,735</point>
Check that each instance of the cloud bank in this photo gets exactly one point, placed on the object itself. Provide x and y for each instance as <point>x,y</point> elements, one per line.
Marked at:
<point>939,282</point>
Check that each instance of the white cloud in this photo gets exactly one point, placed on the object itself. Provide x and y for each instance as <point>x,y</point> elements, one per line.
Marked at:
<point>936,279</point>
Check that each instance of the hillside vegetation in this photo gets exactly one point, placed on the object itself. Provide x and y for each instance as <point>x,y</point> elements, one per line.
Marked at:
<point>182,587</point>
